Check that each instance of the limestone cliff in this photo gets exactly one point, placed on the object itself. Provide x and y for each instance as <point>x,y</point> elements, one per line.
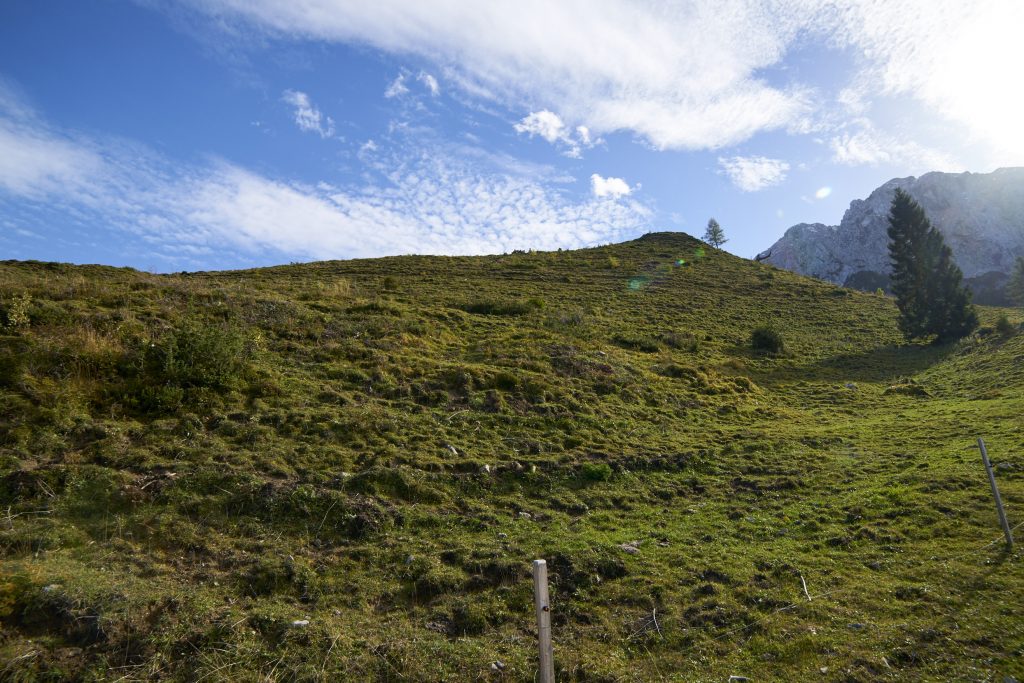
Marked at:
<point>981,216</point>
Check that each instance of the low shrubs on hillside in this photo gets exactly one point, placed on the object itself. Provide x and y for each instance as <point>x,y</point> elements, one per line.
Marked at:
<point>642,343</point>
<point>684,341</point>
<point>504,307</point>
<point>767,339</point>
<point>194,355</point>
<point>14,313</point>
<point>596,471</point>
<point>189,362</point>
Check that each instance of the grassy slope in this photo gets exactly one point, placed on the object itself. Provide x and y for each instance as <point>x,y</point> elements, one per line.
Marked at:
<point>406,434</point>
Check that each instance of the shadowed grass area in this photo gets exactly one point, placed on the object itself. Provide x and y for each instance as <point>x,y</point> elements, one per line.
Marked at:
<point>342,470</point>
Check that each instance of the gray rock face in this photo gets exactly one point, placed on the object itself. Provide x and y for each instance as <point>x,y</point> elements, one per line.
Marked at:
<point>981,217</point>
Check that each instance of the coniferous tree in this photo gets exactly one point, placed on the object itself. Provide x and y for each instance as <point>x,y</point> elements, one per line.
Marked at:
<point>927,283</point>
<point>1015,287</point>
<point>714,235</point>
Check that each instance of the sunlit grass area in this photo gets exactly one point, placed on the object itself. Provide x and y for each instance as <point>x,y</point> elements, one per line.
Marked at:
<point>342,470</point>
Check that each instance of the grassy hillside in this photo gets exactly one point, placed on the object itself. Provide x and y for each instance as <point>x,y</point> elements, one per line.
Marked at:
<point>342,470</point>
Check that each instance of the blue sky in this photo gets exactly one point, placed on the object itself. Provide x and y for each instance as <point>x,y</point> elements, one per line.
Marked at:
<point>193,135</point>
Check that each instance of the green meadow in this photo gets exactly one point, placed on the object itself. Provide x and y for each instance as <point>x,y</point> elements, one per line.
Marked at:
<point>343,470</point>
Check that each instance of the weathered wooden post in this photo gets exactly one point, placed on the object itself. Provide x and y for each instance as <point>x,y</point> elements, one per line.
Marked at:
<point>995,493</point>
<point>540,599</point>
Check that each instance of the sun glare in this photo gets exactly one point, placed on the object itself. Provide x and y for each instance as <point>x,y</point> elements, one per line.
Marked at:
<point>977,82</point>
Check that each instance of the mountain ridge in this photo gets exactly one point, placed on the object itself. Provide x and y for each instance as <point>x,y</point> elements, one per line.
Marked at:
<point>981,216</point>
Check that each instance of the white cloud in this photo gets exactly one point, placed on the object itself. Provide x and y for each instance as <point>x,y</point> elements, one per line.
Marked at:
<point>869,146</point>
<point>823,192</point>
<point>609,187</point>
<point>751,174</point>
<point>546,124</point>
<point>428,200</point>
<point>431,208</point>
<point>551,127</point>
<point>689,75</point>
<point>430,82</point>
<point>307,117</point>
<point>35,161</point>
<point>682,76</point>
<point>400,86</point>
<point>368,147</point>
<point>397,87</point>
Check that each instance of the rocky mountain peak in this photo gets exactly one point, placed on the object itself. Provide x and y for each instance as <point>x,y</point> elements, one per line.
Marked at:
<point>981,216</point>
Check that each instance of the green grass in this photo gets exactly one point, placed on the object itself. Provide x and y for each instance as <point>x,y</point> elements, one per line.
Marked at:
<point>190,464</point>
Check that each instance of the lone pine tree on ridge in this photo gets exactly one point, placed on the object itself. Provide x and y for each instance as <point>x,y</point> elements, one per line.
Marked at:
<point>714,235</point>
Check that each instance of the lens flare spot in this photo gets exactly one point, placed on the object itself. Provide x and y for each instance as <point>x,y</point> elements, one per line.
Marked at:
<point>637,283</point>
<point>823,192</point>
<point>681,262</point>
<point>698,252</point>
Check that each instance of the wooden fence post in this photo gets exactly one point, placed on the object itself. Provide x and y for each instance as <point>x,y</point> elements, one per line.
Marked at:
<point>995,493</point>
<point>540,599</point>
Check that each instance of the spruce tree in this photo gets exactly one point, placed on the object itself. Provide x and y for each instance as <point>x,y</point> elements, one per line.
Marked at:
<point>926,282</point>
<point>1015,287</point>
<point>714,235</point>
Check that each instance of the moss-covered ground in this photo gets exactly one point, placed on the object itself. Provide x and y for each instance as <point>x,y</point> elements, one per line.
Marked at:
<point>342,471</point>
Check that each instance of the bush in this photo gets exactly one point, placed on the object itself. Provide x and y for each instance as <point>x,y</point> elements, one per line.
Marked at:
<point>766,339</point>
<point>596,471</point>
<point>636,343</point>
<point>681,340</point>
<point>13,361</point>
<point>505,307</point>
<point>15,314</point>
<point>1004,326</point>
<point>212,356</point>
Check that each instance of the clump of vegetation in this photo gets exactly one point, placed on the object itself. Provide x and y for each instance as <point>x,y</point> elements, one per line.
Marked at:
<point>767,339</point>
<point>509,308</point>
<point>1004,326</point>
<point>194,355</point>
<point>637,343</point>
<point>681,340</point>
<point>14,315</point>
<point>596,471</point>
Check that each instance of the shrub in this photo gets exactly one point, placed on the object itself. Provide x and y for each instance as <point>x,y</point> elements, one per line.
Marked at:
<point>636,343</point>
<point>15,314</point>
<point>1004,326</point>
<point>766,339</point>
<point>681,340</point>
<point>468,619</point>
<point>13,361</point>
<point>506,381</point>
<point>596,471</point>
<point>504,307</point>
<point>212,356</point>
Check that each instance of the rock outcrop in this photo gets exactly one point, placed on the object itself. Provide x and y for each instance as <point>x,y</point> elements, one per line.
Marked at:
<point>981,216</point>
